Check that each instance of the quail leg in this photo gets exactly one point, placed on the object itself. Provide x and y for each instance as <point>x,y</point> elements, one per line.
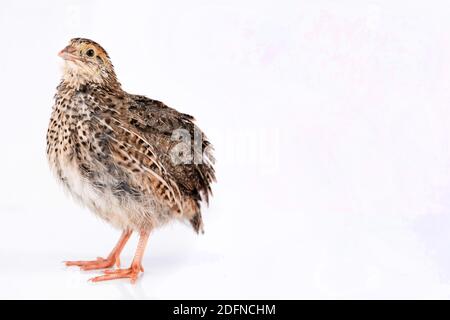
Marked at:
<point>136,266</point>
<point>101,263</point>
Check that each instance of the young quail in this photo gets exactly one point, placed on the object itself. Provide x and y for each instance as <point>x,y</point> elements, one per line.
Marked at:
<point>119,154</point>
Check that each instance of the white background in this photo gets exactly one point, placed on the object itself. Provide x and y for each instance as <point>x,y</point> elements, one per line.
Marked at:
<point>331,125</point>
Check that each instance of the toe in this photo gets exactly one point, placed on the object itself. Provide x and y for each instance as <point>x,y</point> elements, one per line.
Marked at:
<point>130,273</point>
<point>100,263</point>
<point>107,277</point>
<point>74,263</point>
<point>117,271</point>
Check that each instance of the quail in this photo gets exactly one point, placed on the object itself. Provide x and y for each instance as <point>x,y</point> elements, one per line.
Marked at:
<point>133,161</point>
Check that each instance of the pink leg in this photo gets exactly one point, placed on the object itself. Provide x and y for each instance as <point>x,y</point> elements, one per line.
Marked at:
<point>110,261</point>
<point>136,266</point>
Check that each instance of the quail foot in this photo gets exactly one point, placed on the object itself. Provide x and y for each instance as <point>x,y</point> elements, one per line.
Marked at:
<point>120,155</point>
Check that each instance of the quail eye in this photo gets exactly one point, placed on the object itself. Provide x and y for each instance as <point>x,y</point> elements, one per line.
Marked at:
<point>90,53</point>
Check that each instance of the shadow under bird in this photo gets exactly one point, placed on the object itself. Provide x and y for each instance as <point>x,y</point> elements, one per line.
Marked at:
<point>119,154</point>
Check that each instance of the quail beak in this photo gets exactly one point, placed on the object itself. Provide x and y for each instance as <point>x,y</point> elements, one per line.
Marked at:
<point>68,54</point>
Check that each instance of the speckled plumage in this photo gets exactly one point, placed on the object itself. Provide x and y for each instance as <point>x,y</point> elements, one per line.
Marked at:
<point>111,151</point>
